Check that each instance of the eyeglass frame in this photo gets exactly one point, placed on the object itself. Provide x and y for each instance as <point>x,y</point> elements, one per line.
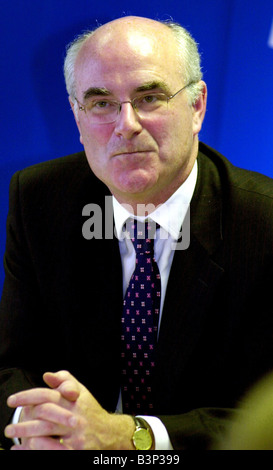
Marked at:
<point>82,107</point>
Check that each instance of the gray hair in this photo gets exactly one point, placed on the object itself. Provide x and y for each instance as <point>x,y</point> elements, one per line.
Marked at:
<point>189,59</point>
<point>188,55</point>
<point>69,63</point>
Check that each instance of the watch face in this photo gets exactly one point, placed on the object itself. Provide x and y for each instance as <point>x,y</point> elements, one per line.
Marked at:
<point>142,439</point>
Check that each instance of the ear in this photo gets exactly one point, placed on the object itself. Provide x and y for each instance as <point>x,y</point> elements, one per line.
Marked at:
<point>199,109</point>
<point>75,110</point>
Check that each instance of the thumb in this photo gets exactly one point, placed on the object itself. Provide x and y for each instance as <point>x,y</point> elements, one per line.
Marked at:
<point>64,382</point>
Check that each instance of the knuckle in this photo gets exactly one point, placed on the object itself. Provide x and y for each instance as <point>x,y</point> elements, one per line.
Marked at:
<point>64,374</point>
<point>41,411</point>
<point>26,413</point>
<point>32,443</point>
<point>49,427</point>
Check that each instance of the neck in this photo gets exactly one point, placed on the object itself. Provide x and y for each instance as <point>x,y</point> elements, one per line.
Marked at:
<point>143,204</point>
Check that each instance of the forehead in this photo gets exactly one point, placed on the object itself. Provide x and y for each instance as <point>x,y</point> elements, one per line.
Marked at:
<point>128,52</point>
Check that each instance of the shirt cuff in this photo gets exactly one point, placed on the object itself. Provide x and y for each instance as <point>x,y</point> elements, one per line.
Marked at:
<point>161,436</point>
<point>15,420</point>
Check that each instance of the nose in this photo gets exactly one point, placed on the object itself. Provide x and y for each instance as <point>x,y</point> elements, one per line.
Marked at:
<point>128,123</point>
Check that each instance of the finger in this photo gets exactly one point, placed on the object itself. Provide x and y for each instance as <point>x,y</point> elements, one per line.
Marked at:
<point>42,443</point>
<point>48,419</point>
<point>34,428</point>
<point>18,447</point>
<point>35,396</point>
<point>65,383</point>
<point>55,414</point>
<point>47,443</point>
<point>54,379</point>
<point>69,390</point>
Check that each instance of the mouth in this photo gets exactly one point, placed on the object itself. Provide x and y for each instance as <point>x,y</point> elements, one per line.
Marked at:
<point>130,153</point>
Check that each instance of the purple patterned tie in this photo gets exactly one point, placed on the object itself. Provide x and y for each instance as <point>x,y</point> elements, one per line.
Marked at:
<point>140,322</point>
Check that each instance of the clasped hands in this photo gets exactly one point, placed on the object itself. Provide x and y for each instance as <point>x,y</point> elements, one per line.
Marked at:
<point>66,416</point>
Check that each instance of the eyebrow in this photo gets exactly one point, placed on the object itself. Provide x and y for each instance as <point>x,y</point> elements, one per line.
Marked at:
<point>94,91</point>
<point>154,85</point>
<point>149,86</point>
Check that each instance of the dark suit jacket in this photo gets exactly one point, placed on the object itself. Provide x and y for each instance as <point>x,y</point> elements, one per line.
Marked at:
<point>62,297</point>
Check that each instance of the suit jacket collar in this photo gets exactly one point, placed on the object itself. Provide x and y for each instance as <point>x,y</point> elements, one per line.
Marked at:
<point>193,278</point>
<point>207,206</point>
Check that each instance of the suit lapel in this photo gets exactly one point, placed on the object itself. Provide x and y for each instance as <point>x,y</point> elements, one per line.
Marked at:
<point>194,275</point>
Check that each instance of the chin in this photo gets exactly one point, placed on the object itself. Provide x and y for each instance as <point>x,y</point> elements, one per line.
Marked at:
<point>139,184</point>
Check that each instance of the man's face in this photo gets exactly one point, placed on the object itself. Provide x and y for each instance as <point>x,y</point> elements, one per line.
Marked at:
<point>141,160</point>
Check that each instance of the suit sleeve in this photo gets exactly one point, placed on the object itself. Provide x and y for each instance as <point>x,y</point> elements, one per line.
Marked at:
<point>200,429</point>
<point>18,304</point>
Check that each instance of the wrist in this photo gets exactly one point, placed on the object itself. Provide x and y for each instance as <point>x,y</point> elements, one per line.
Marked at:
<point>123,429</point>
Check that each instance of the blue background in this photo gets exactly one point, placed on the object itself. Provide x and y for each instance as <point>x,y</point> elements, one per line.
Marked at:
<point>36,121</point>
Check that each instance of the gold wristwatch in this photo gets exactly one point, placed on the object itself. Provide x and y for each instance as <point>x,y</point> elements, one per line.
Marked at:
<point>143,435</point>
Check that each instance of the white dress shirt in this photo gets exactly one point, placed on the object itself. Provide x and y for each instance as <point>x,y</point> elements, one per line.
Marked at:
<point>170,217</point>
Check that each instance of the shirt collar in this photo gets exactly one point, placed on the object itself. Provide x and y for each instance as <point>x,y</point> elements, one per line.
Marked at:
<point>169,215</point>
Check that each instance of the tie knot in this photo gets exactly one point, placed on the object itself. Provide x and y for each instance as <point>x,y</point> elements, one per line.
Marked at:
<point>142,235</point>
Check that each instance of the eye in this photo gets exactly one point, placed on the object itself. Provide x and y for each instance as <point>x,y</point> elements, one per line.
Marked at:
<point>149,99</point>
<point>100,104</point>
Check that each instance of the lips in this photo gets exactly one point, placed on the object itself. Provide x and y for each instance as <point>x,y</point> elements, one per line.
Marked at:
<point>130,152</point>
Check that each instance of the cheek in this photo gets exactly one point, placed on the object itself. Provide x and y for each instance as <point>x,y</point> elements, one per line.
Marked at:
<point>175,139</point>
<point>159,130</point>
<point>96,137</point>
<point>166,135</point>
<point>95,143</point>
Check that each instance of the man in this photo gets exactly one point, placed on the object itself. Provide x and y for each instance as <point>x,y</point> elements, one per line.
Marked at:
<point>139,101</point>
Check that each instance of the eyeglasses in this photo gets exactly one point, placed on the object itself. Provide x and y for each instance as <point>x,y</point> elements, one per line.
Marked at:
<point>106,111</point>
